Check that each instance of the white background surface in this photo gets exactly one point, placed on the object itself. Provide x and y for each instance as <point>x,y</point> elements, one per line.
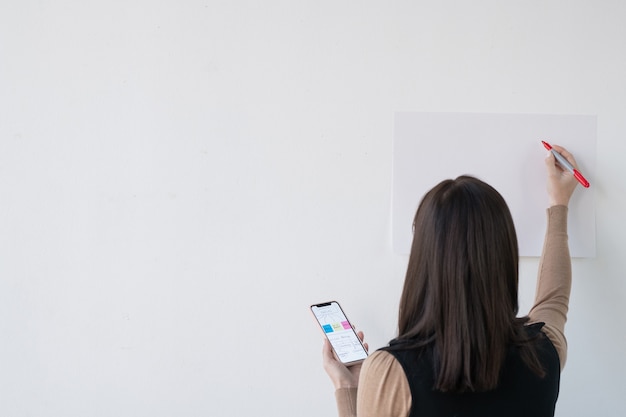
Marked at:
<point>180,180</point>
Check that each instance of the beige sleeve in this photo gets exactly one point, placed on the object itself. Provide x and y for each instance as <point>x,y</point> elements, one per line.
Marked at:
<point>346,402</point>
<point>554,282</point>
<point>383,390</point>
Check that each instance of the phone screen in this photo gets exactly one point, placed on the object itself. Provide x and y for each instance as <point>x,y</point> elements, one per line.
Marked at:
<point>339,332</point>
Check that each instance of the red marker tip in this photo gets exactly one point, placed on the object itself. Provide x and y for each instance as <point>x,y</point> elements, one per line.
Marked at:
<point>547,145</point>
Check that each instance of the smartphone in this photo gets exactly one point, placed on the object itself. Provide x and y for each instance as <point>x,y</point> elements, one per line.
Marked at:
<point>339,331</point>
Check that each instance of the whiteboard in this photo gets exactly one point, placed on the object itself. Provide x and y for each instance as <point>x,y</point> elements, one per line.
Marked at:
<point>503,150</point>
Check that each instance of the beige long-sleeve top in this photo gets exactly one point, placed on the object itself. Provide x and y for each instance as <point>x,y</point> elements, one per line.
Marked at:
<point>383,388</point>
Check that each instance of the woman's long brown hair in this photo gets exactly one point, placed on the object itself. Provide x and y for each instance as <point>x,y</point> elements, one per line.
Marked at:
<point>460,291</point>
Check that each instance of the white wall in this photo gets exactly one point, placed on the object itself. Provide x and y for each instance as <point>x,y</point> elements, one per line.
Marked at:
<point>179,180</point>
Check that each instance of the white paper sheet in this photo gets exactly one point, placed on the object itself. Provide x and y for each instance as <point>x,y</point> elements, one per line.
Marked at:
<point>503,150</point>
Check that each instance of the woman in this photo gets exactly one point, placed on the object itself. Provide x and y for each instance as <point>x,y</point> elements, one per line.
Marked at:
<point>461,349</point>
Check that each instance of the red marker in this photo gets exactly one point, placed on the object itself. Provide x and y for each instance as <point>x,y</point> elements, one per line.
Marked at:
<point>565,164</point>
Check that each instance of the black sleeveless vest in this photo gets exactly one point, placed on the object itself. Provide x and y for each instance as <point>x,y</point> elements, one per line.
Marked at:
<point>519,393</point>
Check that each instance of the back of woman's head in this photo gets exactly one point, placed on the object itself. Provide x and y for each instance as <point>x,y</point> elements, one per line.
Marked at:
<point>460,292</point>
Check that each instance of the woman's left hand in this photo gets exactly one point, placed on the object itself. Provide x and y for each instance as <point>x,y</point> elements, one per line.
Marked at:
<point>341,375</point>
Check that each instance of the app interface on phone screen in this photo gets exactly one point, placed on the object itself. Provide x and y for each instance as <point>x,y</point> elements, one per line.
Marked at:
<point>339,332</point>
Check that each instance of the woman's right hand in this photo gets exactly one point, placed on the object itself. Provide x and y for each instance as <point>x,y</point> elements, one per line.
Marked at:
<point>560,182</point>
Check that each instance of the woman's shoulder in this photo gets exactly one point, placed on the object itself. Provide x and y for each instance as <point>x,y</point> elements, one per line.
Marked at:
<point>382,366</point>
<point>383,386</point>
<point>553,336</point>
<point>379,357</point>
